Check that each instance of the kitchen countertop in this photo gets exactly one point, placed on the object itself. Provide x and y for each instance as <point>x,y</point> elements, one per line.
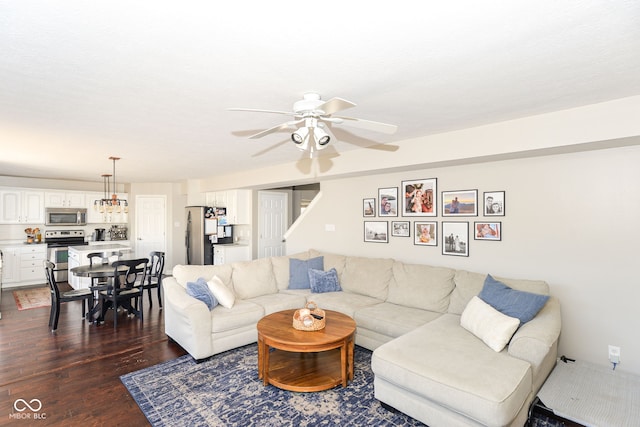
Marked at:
<point>87,248</point>
<point>19,242</point>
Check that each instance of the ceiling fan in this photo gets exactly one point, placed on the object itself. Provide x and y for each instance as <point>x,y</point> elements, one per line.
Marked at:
<point>313,119</point>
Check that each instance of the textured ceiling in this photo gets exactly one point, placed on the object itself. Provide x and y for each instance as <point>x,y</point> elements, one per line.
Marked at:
<point>151,81</point>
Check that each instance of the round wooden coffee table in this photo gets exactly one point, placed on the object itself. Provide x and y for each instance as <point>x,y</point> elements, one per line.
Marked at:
<point>302,360</point>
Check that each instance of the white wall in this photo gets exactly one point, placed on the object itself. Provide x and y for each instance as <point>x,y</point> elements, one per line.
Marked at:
<point>571,219</point>
<point>176,201</point>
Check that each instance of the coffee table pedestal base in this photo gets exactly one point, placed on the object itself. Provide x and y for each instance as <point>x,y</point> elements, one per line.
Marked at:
<point>305,372</point>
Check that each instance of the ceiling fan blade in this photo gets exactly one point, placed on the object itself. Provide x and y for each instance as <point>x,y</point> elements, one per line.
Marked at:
<point>278,128</point>
<point>257,110</point>
<point>334,105</point>
<point>369,125</point>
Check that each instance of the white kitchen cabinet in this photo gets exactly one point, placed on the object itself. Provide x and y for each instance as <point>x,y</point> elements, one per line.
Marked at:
<point>32,259</point>
<point>237,202</point>
<point>73,260</point>
<point>227,254</point>
<point>23,264</point>
<point>94,216</point>
<point>10,264</point>
<point>21,206</point>
<point>62,199</point>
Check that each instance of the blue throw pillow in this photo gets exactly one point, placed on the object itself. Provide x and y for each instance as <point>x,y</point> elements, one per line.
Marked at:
<point>200,290</point>
<point>324,281</point>
<point>514,303</point>
<point>299,271</point>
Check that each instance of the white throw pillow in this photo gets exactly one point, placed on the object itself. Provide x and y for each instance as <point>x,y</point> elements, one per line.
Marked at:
<point>485,322</point>
<point>224,295</point>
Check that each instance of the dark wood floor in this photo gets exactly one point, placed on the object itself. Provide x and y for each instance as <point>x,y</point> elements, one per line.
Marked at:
<point>75,371</point>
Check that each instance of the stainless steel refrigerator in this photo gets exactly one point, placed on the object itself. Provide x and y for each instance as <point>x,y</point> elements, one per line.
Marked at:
<point>201,228</point>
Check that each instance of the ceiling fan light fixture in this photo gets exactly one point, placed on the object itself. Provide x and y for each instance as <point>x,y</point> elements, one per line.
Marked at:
<point>322,138</point>
<point>300,135</point>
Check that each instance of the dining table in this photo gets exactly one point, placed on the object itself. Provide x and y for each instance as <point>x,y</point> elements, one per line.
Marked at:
<point>100,270</point>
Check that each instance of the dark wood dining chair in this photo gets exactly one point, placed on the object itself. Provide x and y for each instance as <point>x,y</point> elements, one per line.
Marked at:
<point>127,286</point>
<point>154,275</point>
<point>98,283</point>
<point>57,297</point>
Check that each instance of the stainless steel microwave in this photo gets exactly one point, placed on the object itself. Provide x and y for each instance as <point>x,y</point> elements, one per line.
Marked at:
<point>65,216</point>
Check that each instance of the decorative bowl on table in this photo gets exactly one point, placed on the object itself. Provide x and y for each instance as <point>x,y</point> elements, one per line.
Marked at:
<point>310,318</point>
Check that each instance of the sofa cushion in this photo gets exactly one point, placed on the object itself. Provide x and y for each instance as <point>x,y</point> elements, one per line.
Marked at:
<point>449,366</point>
<point>200,291</point>
<point>243,313</point>
<point>190,273</point>
<point>221,292</point>
<point>485,322</point>
<point>253,278</point>
<point>299,271</point>
<point>512,302</point>
<point>392,320</point>
<point>367,276</point>
<point>421,286</point>
<point>280,265</point>
<point>331,260</point>
<point>344,302</point>
<point>279,301</point>
<point>324,281</point>
<point>470,284</point>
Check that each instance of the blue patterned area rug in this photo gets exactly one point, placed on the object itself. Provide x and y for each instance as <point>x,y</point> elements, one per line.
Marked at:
<point>225,391</point>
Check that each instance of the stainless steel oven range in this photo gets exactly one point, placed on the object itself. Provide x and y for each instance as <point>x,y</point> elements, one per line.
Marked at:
<point>58,242</point>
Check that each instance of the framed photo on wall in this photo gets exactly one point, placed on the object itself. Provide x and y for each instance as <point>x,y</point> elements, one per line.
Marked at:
<point>388,201</point>
<point>376,231</point>
<point>425,233</point>
<point>487,231</point>
<point>419,197</point>
<point>493,203</point>
<point>460,203</point>
<point>455,238</point>
<point>369,207</point>
<point>400,228</point>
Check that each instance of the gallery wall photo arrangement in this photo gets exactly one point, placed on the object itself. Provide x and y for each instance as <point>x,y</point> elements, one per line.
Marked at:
<point>455,238</point>
<point>400,228</point>
<point>419,197</point>
<point>388,201</point>
<point>487,231</point>
<point>460,203</point>
<point>376,231</point>
<point>493,203</point>
<point>369,207</point>
<point>425,233</point>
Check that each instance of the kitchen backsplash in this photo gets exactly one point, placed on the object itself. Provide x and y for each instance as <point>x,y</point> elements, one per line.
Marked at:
<point>15,232</point>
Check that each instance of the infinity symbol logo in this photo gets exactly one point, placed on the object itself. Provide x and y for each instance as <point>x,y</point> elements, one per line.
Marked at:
<point>24,405</point>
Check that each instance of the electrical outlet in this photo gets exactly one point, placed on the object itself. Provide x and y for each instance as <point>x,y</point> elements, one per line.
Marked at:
<point>614,354</point>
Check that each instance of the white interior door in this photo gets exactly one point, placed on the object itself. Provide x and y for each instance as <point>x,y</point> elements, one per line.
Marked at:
<point>272,223</point>
<point>151,214</point>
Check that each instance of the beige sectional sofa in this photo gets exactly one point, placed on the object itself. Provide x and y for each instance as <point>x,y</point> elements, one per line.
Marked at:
<point>425,363</point>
